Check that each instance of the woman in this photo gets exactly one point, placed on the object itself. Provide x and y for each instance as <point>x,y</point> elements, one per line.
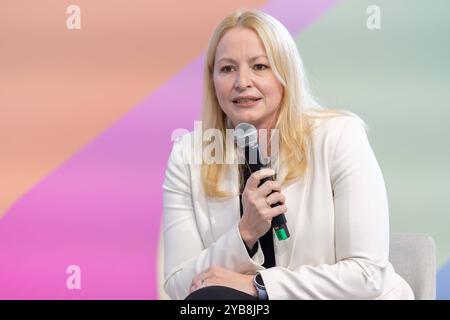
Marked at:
<point>217,217</point>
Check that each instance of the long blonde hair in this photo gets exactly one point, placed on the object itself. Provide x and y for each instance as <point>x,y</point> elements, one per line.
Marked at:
<point>297,107</point>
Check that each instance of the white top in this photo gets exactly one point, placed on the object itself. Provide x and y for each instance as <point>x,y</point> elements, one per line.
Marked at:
<point>337,217</point>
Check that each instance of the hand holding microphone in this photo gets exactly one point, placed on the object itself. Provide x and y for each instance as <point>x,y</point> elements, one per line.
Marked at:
<point>263,201</point>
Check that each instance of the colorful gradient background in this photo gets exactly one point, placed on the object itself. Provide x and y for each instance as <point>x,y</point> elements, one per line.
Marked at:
<point>86,118</point>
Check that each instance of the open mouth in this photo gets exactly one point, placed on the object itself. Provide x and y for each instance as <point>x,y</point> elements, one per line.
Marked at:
<point>246,101</point>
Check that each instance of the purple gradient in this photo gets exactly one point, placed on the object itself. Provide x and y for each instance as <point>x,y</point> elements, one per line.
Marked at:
<point>101,209</point>
<point>296,15</point>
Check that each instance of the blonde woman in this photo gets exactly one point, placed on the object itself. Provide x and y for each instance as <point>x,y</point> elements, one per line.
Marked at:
<point>218,240</point>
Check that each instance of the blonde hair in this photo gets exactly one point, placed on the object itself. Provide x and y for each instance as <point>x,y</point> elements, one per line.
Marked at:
<point>297,107</point>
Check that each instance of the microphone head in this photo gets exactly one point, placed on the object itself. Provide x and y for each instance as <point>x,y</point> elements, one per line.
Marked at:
<point>245,135</point>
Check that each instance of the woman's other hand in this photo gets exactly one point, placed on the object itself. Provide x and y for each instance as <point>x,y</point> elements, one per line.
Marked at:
<point>218,276</point>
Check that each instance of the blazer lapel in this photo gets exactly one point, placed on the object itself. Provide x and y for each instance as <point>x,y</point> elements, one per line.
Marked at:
<point>224,212</point>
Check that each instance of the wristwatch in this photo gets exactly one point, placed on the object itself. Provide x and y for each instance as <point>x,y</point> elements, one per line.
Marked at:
<point>260,287</point>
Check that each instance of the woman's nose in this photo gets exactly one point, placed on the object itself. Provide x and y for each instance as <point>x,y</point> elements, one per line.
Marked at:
<point>243,79</point>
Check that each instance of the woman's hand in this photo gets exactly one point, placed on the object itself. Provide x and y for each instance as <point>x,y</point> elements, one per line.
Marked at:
<point>257,216</point>
<point>223,277</point>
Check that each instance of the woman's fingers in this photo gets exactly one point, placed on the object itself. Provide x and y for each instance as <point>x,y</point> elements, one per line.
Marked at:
<point>195,283</point>
<point>275,198</point>
<point>203,279</point>
<point>267,187</point>
<point>257,198</point>
<point>256,177</point>
<point>275,211</point>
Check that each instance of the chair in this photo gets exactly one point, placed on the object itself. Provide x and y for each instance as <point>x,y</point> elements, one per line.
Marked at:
<point>414,259</point>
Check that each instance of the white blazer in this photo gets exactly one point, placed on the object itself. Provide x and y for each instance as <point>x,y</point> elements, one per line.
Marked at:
<point>337,216</point>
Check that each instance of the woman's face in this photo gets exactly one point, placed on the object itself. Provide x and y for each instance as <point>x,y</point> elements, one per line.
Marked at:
<point>241,69</point>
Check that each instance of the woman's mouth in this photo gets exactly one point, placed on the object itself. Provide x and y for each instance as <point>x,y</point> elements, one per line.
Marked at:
<point>246,102</point>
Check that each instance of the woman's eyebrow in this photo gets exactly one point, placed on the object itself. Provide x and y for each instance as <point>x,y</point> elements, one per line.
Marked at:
<point>234,61</point>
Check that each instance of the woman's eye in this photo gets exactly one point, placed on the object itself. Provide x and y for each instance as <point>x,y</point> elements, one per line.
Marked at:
<point>226,69</point>
<point>260,66</point>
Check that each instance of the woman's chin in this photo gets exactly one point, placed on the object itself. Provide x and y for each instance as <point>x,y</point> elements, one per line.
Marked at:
<point>248,117</point>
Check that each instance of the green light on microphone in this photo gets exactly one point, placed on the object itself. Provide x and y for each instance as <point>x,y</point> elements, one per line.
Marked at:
<point>281,234</point>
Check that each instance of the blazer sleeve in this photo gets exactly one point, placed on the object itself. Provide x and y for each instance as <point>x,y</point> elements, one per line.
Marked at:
<point>185,254</point>
<point>362,270</point>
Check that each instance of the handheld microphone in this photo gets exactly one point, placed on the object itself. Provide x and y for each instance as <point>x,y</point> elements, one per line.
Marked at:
<point>246,137</point>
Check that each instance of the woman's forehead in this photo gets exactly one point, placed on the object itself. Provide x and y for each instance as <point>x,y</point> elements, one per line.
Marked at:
<point>239,36</point>
<point>239,41</point>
